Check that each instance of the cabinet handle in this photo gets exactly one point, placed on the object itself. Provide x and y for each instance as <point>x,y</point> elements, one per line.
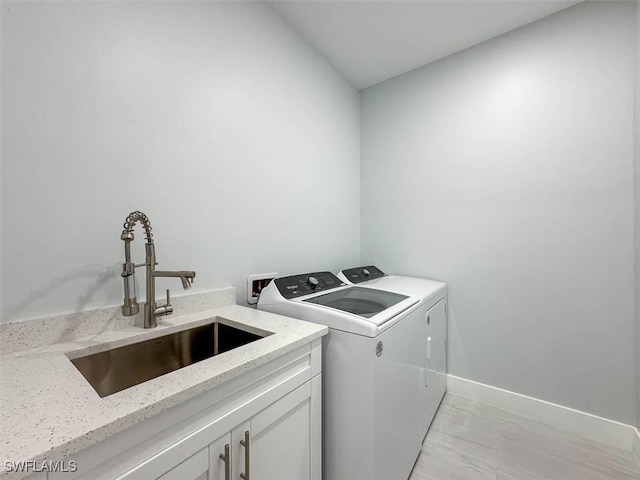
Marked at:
<point>225,457</point>
<point>246,444</point>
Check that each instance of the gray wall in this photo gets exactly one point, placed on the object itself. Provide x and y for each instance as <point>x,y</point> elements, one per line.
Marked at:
<point>636,189</point>
<point>504,170</point>
<point>507,171</point>
<point>236,137</point>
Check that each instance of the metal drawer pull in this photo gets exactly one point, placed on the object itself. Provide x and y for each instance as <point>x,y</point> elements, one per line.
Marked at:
<point>225,457</point>
<point>245,444</point>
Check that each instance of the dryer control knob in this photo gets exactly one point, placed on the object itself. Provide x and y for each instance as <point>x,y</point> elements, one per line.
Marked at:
<point>313,282</point>
<point>366,272</point>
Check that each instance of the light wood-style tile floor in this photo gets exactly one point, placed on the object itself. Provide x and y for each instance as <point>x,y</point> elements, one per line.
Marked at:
<point>473,441</point>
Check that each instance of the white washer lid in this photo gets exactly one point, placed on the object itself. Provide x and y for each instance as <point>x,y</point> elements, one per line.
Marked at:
<point>369,304</point>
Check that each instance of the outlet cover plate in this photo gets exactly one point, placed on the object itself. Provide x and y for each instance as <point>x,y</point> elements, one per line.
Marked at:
<point>255,283</point>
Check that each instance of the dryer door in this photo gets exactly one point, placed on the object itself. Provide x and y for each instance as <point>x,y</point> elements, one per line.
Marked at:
<point>436,352</point>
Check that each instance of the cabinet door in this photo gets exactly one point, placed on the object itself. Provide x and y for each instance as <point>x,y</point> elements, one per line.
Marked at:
<point>281,438</point>
<point>218,458</point>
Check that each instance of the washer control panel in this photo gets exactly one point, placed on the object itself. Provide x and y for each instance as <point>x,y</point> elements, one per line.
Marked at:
<point>362,274</point>
<point>307,283</point>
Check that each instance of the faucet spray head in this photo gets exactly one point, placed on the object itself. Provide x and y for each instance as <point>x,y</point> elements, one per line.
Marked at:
<point>187,279</point>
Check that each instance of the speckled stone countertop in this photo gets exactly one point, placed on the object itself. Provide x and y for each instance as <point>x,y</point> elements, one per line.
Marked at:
<point>49,411</point>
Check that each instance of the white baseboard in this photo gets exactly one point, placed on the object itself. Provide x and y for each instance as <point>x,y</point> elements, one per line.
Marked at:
<point>600,429</point>
<point>635,445</point>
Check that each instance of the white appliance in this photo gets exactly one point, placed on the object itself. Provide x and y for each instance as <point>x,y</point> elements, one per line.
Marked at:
<point>373,372</point>
<point>433,310</point>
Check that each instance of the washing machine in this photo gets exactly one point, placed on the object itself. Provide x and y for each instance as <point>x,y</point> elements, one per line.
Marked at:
<point>373,372</point>
<point>433,338</point>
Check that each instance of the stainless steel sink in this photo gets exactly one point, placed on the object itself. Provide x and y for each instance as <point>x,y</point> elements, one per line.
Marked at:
<point>114,370</point>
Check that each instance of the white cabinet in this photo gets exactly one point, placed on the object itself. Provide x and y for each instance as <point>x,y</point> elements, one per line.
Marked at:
<point>265,423</point>
<point>277,442</point>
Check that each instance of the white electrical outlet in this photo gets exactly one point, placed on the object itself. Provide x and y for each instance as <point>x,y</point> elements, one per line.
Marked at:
<point>255,284</point>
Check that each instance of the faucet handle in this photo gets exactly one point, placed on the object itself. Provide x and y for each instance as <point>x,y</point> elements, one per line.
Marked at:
<point>166,309</point>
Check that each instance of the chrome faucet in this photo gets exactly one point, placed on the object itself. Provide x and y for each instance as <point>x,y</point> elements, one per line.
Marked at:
<point>130,305</point>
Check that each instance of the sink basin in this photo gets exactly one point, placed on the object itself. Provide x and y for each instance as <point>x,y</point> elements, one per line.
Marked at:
<point>114,370</point>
